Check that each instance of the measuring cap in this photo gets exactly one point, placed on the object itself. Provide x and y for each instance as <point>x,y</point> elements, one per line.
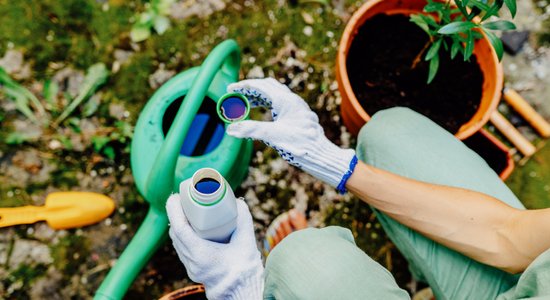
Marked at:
<point>233,107</point>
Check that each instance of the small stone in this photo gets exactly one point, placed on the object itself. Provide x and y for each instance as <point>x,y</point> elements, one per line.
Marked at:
<point>55,144</point>
<point>47,287</point>
<point>160,76</point>
<point>308,30</point>
<point>29,252</point>
<point>117,111</point>
<point>255,72</point>
<point>43,232</point>
<point>308,19</point>
<point>14,65</point>
<point>513,40</point>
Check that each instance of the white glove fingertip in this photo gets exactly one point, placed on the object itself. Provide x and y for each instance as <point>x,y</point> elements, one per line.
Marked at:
<point>178,220</point>
<point>250,129</point>
<point>174,209</point>
<point>235,130</point>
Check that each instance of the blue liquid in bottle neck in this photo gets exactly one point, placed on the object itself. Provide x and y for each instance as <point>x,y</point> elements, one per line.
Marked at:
<point>207,186</point>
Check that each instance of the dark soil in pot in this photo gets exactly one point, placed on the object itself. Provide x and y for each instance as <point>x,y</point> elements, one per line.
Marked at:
<point>495,157</point>
<point>379,64</point>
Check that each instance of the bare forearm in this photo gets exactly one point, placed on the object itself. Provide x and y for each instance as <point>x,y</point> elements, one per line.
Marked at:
<point>469,222</point>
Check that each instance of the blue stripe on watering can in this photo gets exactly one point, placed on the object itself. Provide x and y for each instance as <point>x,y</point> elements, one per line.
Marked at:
<point>198,126</point>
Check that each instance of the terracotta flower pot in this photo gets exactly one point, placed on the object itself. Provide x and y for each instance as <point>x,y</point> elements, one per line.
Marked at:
<point>353,114</point>
<point>193,292</point>
<point>493,151</point>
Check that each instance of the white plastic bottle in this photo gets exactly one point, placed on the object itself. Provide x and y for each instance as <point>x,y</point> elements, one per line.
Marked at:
<point>210,205</point>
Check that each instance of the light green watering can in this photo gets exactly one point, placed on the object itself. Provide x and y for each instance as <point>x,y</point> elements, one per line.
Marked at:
<point>168,147</point>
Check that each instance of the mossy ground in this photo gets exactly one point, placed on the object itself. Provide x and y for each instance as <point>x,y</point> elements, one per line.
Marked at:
<point>288,41</point>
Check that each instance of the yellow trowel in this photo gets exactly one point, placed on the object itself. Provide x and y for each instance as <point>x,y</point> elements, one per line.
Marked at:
<point>62,210</point>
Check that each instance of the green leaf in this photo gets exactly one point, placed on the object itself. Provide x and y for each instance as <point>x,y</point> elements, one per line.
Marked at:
<point>21,96</point>
<point>140,32</point>
<point>493,11</point>
<point>99,142</point>
<point>477,35</point>
<point>434,7</point>
<point>461,7</point>
<point>16,138</point>
<point>455,48</point>
<point>496,42</point>
<point>21,103</point>
<point>433,49</point>
<point>109,152</point>
<point>66,142</point>
<point>51,88</point>
<point>469,48</point>
<point>499,25</point>
<point>480,4</point>
<point>421,22</point>
<point>456,27</point>
<point>96,76</point>
<point>511,4</point>
<point>163,6</point>
<point>91,106</point>
<point>434,66</point>
<point>161,24</point>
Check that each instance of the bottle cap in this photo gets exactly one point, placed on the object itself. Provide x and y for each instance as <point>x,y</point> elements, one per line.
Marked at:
<point>233,107</point>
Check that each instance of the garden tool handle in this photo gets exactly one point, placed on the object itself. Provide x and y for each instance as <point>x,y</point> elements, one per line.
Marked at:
<point>518,103</point>
<point>152,234</point>
<point>160,183</point>
<point>512,134</point>
<point>29,214</point>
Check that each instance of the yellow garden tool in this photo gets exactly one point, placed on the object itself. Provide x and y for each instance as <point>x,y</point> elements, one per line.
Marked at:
<point>62,210</point>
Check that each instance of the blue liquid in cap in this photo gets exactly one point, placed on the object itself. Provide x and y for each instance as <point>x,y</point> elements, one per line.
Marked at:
<point>207,186</point>
<point>233,108</point>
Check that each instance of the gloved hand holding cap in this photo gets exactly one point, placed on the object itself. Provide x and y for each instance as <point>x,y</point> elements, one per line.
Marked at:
<point>295,132</point>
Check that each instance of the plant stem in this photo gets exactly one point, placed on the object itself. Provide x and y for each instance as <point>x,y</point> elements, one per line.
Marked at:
<point>418,57</point>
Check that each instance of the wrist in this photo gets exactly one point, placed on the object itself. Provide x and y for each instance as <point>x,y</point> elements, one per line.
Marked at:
<point>330,164</point>
<point>341,188</point>
<point>250,288</point>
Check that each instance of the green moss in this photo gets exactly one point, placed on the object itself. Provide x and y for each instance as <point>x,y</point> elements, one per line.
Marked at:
<point>77,32</point>
<point>70,253</point>
<point>131,84</point>
<point>543,36</point>
<point>24,275</point>
<point>530,182</point>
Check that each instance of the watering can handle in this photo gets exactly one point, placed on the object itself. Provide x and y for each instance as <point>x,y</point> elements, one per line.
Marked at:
<point>225,57</point>
<point>153,231</point>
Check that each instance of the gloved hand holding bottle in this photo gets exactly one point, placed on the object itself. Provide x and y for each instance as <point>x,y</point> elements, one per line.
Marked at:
<point>230,270</point>
<point>295,132</point>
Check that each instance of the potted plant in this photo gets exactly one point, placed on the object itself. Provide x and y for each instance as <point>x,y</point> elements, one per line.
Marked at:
<point>439,58</point>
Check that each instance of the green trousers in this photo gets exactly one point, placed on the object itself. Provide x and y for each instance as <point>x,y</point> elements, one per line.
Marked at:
<point>326,264</point>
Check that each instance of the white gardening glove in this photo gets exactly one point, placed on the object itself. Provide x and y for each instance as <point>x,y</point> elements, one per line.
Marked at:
<point>295,132</point>
<point>228,271</point>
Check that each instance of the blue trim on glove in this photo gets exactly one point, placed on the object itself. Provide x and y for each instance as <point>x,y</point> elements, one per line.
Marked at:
<point>341,188</point>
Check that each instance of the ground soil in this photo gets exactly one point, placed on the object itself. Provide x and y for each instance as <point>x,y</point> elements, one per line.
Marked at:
<point>380,70</point>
